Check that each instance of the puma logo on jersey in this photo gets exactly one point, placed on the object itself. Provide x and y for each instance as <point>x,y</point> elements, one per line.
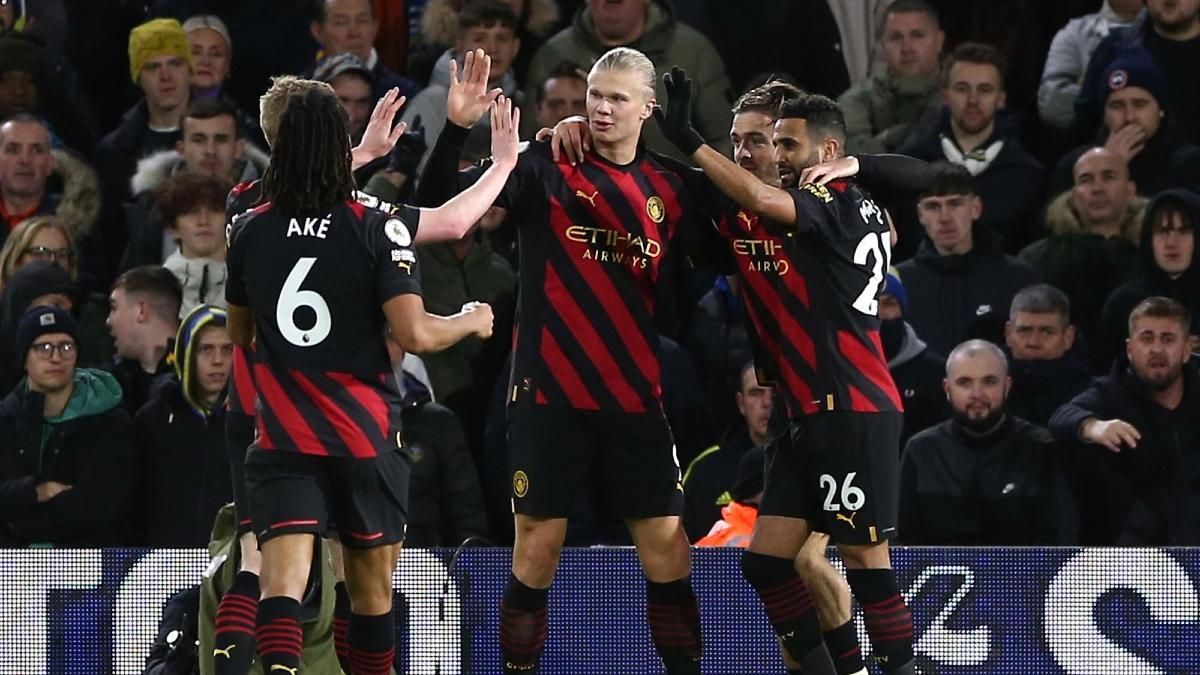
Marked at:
<point>224,652</point>
<point>406,266</point>
<point>591,199</point>
<point>850,519</point>
<point>745,219</point>
<point>279,666</point>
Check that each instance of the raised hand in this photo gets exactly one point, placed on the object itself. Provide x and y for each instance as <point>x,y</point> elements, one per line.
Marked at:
<point>675,119</point>
<point>505,120</point>
<point>469,97</point>
<point>379,136</point>
<point>843,167</point>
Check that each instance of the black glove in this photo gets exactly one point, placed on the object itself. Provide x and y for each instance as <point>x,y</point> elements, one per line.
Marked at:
<point>409,150</point>
<point>676,119</point>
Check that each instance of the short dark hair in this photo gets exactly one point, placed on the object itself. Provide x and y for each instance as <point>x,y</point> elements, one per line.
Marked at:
<point>913,7</point>
<point>822,114</point>
<point>157,285</point>
<point>318,10</point>
<point>766,98</point>
<point>975,52</point>
<point>207,109</point>
<point>486,13</point>
<point>949,179</point>
<point>185,193</point>
<point>1041,299</point>
<point>567,70</point>
<point>1159,307</point>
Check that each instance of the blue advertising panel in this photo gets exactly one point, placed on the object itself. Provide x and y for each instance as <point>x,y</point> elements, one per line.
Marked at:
<point>982,610</point>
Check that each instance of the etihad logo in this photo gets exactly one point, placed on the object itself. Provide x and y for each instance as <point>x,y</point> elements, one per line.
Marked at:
<point>849,519</point>
<point>591,199</point>
<point>761,255</point>
<point>606,245</point>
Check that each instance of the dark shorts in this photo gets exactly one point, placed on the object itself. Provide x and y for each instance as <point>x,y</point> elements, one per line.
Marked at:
<point>364,500</point>
<point>625,461</point>
<point>840,471</point>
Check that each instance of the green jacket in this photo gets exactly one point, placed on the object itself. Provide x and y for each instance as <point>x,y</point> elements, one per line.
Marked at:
<point>667,43</point>
<point>883,110</point>
<point>447,283</point>
<point>318,656</point>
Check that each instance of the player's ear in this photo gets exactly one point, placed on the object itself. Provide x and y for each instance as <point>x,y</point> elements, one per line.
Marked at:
<point>946,387</point>
<point>1070,336</point>
<point>648,108</point>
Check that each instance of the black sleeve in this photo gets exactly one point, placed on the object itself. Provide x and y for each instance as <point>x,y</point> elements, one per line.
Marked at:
<point>439,180</point>
<point>395,257</point>
<point>814,211</point>
<point>180,614</point>
<point>1065,422</point>
<point>17,495</point>
<point>889,177</point>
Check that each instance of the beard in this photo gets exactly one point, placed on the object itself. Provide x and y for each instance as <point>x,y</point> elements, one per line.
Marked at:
<point>979,425</point>
<point>1166,380</point>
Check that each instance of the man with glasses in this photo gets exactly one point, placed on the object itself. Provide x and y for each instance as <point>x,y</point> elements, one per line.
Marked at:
<point>65,444</point>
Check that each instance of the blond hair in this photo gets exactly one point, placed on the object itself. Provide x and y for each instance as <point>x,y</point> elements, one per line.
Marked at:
<point>272,104</point>
<point>21,238</point>
<point>625,59</point>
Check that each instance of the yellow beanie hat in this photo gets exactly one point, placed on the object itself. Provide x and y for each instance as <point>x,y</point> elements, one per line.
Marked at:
<point>160,37</point>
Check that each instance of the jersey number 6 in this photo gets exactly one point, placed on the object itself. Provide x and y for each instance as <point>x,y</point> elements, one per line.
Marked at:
<point>292,298</point>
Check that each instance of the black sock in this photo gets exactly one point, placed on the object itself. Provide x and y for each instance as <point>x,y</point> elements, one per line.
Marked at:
<point>372,644</point>
<point>674,619</point>
<point>844,648</point>
<point>341,625</point>
<point>280,637</point>
<point>523,626</point>
<point>787,601</point>
<point>233,640</point>
<point>888,620</point>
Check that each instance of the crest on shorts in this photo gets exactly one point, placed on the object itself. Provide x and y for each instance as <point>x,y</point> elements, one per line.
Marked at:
<point>1117,79</point>
<point>397,231</point>
<point>656,209</point>
<point>520,483</point>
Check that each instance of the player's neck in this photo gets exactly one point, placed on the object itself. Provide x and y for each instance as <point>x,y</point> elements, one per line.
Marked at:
<point>620,153</point>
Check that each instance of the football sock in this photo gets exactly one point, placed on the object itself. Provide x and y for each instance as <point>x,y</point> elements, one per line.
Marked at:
<point>280,638</point>
<point>888,620</point>
<point>523,626</point>
<point>674,619</point>
<point>234,641</point>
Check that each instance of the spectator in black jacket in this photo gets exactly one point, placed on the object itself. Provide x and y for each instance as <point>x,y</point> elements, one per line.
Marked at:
<point>959,284</point>
<point>1169,254</point>
<point>65,444</point>
<point>143,318</point>
<point>975,131</point>
<point>1048,368</point>
<point>350,27</point>
<point>1141,452</point>
<point>917,369</point>
<point>985,477</point>
<point>180,437</point>
<point>709,478</point>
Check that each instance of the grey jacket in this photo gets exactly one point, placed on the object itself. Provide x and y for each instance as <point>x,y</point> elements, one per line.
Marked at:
<point>1067,63</point>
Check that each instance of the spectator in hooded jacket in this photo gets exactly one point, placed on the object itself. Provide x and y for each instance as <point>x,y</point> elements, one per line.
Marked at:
<point>1091,247</point>
<point>1169,30</point>
<point>180,435</point>
<point>917,370</point>
<point>66,445</point>
<point>985,477</point>
<point>1169,253</point>
<point>977,132</point>
<point>1048,368</point>
<point>160,63</point>
<point>959,284</point>
<point>1139,464</point>
<point>1070,52</point>
<point>1140,128</point>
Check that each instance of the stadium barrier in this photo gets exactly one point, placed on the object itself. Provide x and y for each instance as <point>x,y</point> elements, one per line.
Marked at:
<point>981,610</point>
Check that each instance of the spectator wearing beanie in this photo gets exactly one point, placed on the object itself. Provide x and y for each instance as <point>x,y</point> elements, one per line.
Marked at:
<point>160,63</point>
<point>916,369</point>
<point>66,445</point>
<point>212,55</point>
<point>1138,126</point>
<point>180,435</point>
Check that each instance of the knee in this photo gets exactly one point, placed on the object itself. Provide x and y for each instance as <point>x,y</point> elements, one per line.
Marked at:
<point>535,562</point>
<point>866,557</point>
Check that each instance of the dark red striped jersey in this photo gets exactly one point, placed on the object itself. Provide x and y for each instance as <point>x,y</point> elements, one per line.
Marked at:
<point>242,393</point>
<point>315,284</point>
<point>811,290</point>
<point>592,240</point>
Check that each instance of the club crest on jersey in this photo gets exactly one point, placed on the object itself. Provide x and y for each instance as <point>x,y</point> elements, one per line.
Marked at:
<point>397,232</point>
<point>656,209</point>
<point>520,484</point>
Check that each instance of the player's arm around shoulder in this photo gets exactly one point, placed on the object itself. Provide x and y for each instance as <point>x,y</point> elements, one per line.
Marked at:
<point>420,332</point>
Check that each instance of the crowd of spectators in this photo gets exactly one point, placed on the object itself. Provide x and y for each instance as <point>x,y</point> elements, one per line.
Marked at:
<point>1038,320</point>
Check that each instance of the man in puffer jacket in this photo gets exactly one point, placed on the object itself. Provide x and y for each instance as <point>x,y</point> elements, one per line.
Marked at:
<point>66,446</point>
<point>180,432</point>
